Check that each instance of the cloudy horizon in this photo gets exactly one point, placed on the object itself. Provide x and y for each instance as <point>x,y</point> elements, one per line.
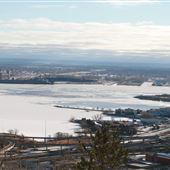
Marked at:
<point>120,27</point>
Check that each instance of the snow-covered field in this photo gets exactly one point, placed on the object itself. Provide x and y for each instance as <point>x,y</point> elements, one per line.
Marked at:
<point>29,107</point>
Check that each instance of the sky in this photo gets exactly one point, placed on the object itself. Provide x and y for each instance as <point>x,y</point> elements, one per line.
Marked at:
<point>117,26</point>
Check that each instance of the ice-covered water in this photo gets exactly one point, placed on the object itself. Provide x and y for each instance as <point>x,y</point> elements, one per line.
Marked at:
<point>28,107</point>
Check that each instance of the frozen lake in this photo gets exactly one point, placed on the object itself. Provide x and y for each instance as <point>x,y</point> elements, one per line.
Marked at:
<point>29,107</point>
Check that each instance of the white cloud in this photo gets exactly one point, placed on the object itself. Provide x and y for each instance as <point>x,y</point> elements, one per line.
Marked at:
<point>117,37</point>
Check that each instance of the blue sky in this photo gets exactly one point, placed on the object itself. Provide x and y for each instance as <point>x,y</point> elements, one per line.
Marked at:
<point>141,26</point>
<point>83,11</point>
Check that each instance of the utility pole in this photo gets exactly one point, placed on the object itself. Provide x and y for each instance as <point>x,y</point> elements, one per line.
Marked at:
<point>45,134</point>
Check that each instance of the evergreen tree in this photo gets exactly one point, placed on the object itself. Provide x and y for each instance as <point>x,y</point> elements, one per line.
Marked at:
<point>105,151</point>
